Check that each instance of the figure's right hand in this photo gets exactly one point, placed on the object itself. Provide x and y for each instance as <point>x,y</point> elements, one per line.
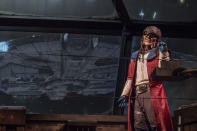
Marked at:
<point>123,101</point>
<point>162,46</point>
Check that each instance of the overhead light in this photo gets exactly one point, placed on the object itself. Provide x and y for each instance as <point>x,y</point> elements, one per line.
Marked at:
<point>154,14</point>
<point>182,1</point>
<point>141,14</point>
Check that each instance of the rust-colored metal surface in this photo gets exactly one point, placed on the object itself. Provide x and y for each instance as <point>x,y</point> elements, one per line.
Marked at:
<point>45,127</point>
<point>2,128</point>
<point>111,128</point>
<point>15,119</point>
<point>77,118</point>
<point>12,115</point>
<point>61,122</point>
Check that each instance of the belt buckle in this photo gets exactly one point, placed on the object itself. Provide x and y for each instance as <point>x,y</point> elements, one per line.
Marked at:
<point>142,88</point>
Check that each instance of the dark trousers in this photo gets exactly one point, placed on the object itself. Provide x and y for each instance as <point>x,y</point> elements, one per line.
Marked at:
<point>144,118</point>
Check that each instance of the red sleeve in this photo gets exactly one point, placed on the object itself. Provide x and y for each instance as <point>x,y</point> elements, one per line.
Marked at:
<point>130,70</point>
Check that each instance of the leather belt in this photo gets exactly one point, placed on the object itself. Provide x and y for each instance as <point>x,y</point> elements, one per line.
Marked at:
<point>142,88</point>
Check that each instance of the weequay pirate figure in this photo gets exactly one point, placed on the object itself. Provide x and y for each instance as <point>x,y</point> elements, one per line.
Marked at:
<point>148,108</point>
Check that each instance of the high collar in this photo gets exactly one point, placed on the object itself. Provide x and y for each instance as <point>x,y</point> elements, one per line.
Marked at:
<point>152,54</point>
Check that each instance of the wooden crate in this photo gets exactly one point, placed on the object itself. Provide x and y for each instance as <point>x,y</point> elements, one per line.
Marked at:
<point>12,118</point>
<point>10,115</point>
<point>186,118</point>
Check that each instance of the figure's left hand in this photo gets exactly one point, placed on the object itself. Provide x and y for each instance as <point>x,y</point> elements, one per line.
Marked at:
<point>123,101</point>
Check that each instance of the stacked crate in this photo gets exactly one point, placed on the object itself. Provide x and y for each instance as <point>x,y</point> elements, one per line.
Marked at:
<point>12,118</point>
<point>186,118</point>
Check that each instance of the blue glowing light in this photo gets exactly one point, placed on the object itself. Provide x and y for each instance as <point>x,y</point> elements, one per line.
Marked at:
<point>3,46</point>
<point>154,14</point>
<point>141,14</point>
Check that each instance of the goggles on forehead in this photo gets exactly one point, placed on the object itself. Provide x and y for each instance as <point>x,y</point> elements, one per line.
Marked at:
<point>150,34</point>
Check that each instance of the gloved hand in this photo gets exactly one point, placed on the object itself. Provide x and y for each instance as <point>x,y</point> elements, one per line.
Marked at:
<point>122,101</point>
<point>162,46</point>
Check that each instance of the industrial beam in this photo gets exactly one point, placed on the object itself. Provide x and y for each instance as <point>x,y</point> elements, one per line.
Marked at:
<point>125,52</point>
<point>95,26</point>
<point>55,25</point>
<point>122,11</point>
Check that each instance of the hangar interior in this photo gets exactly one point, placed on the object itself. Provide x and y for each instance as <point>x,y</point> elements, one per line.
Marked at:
<point>63,63</point>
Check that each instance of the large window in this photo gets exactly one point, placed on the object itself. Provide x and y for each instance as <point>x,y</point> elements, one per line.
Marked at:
<point>159,10</point>
<point>57,8</point>
<point>162,10</point>
<point>58,73</point>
